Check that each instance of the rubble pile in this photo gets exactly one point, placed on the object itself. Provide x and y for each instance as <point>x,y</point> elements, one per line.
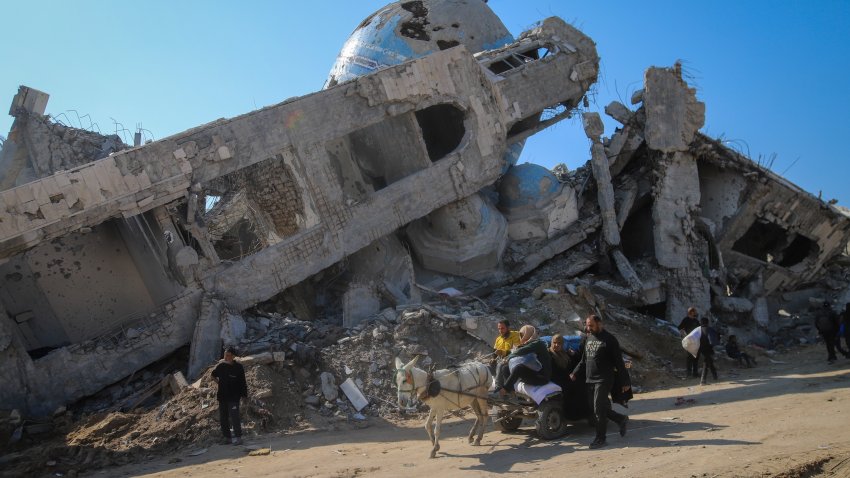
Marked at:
<point>367,355</point>
<point>188,419</point>
<point>121,395</point>
<point>277,333</point>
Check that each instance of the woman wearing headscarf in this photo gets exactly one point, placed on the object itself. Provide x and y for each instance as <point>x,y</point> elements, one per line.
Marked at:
<point>533,370</point>
<point>562,361</point>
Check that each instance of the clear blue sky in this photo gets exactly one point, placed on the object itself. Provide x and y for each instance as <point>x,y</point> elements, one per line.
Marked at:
<point>773,74</point>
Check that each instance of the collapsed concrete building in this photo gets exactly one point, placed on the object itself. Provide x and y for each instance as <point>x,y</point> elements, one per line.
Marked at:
<point>397,180</point>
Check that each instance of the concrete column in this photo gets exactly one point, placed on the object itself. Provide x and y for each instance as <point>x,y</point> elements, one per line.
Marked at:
<point>593,128</point>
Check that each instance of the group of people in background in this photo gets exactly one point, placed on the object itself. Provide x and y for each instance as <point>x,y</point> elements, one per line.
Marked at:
<point>832,328</point>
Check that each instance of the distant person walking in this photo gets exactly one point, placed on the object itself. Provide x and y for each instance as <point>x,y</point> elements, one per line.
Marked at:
<point>602,364</point>
<point>827,325</point>
<point>708,337</point>
<point>230,377</point>
<point>686,326</point>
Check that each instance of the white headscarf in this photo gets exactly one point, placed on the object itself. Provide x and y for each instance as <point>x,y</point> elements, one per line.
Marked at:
<point>527,333</point>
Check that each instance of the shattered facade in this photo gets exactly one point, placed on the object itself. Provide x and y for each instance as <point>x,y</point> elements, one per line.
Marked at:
<point>396,181</point>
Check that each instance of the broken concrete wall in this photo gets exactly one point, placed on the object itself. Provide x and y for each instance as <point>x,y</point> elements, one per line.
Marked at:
<point>721,192</point>
<point>31,314</point>
<point>206,338</point>
<point>360,301</point>
<point>72,372</point>
<point>156,249</point>
<point>673,116</point>
<point>80,285</point>
<point>720,223</point>
<point>17,365</point>
<point>38,145</point>
<point>237,227</point>
<point>778,229</point>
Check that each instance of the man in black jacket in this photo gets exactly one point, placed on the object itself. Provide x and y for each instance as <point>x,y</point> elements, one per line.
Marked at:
<point>602,362</point>
<point>686,326</point>
<point>230,376</point>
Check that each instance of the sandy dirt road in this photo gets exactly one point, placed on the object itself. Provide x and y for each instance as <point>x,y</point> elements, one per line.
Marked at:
<point>788,419</point>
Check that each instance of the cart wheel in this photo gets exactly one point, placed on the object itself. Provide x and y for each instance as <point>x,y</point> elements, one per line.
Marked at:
<point>550,422</point>
<point>509,424</point>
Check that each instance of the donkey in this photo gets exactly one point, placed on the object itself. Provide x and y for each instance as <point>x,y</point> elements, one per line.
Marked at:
<point>463,387</point>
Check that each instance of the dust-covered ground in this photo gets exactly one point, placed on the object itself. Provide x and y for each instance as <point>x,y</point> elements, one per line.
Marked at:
<point>787,417</point>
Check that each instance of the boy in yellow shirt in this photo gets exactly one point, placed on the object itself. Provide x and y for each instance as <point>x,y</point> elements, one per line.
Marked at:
<point>505,342</point>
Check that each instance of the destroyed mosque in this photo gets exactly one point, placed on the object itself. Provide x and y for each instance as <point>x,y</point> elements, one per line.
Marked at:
<point>397,182</point>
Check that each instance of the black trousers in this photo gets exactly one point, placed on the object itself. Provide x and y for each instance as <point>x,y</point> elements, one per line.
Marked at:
<point>707,364</point>
<point>691,366</point>
<point>228,414</point>
<point>829,340</point>
<point>844,352</point>
<point>597,394</point>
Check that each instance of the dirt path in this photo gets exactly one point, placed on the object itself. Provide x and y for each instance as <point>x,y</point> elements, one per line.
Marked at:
<point>787,419</point>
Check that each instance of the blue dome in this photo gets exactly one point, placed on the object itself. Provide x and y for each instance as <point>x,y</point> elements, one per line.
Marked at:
<point>527,184</point>
<point>405,31</point>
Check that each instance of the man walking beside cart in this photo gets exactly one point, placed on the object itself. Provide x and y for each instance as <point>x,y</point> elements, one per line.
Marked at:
<point>602,364</point>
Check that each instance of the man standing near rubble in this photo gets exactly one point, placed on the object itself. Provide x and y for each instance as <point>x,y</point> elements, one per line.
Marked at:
<point>602,364</point>
<point>686,326</point>
<point>230,377</point>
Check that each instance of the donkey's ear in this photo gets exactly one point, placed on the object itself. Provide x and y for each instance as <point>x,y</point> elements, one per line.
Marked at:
<point>412,362</point>
<point>398,364</point>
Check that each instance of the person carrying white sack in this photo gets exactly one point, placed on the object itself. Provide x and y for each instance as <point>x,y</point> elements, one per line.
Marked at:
<point>691,342</point>
<point>686,326</point>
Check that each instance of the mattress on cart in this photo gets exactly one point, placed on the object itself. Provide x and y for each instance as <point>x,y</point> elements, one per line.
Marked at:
<point>538,393</point>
